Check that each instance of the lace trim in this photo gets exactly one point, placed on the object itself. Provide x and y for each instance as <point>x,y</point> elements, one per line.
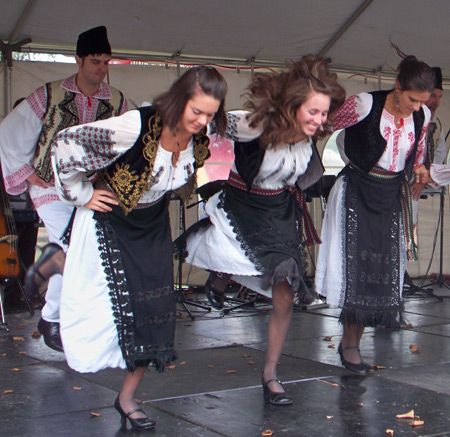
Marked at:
<point>168,317</point>
<point>146,295</point>
<point>343,213</point>
<point>239,237</point>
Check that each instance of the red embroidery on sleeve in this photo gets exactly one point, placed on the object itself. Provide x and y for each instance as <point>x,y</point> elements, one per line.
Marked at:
<point>347,114</point>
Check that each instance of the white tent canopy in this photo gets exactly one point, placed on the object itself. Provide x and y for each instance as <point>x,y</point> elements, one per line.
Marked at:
<point>354,34</point>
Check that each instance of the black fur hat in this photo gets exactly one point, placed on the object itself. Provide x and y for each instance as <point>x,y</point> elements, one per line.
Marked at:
<point>93,42</point>
<point>438,74</point>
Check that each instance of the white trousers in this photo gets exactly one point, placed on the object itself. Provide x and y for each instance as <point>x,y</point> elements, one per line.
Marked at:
<point>56,216</point>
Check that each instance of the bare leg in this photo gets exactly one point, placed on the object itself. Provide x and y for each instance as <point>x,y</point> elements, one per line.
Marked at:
<point>127,394</point>
<point>280,319</point>
<point>351,339</point>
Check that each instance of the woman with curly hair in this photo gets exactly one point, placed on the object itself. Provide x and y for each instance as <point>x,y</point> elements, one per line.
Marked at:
<point>367,229</point>
<point>257,224</point>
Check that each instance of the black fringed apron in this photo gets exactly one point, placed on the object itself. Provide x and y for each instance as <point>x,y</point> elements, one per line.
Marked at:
<point>375,216</point>
<point>137,256</point>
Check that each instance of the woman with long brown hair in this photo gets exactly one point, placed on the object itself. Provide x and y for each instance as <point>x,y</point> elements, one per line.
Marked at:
<point>118,299</point>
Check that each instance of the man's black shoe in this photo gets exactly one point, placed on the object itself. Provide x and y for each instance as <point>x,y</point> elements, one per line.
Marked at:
<point>50,332</point>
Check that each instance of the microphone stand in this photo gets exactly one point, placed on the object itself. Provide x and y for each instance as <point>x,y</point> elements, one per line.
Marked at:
<point>180,296</point>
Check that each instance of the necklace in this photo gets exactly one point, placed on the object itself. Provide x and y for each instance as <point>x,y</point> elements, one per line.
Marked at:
<point>398,120</point>
<point>176,154</point>
<point>172,144</point>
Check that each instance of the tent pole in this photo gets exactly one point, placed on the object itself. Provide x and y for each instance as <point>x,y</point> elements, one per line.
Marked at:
<point>7,51</point>
<point>8,88</point>
<point>344,28</point>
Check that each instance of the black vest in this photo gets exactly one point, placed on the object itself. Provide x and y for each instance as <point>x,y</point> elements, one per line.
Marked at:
<point>364,143</point>
<point>131,174</point>
<point>249,157</point>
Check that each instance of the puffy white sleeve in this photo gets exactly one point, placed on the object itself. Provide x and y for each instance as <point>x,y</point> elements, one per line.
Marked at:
<point>19,133</point>
<point>80,150</point>
<point>440,173</point>
<point>238,128</point>
<point>353,110</point>
<point>441,152</point>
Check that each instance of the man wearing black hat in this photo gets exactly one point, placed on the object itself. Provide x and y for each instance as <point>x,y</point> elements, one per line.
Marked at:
<point>25,146</point>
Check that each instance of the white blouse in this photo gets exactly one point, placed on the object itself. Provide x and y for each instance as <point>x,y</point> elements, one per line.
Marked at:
<point>281,166</point>
<point>79,150</point>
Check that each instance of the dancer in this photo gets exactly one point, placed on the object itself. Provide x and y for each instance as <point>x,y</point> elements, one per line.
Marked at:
<point>25,138</point>
<point>367,229</point>
<point>118,299</point>
<point>254,229</point>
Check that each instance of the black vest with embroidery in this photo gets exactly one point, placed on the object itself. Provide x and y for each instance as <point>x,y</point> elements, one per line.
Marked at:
<point>131,174</point>
<point>364,145</point>
<point>61,113</point>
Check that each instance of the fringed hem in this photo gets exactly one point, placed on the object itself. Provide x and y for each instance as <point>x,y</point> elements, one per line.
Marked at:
<point>387,319</point>
<point>289,270</point>
<point>159,361</point>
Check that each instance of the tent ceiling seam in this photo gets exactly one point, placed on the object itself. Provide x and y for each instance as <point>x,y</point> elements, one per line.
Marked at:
<point>345,27</point>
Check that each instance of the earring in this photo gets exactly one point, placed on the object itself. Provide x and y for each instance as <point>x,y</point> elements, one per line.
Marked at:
<point>396,98</point>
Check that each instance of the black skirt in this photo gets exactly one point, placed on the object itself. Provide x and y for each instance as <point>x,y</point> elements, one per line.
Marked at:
<point>269,232</point>
<point>137,255</point>
<point>373,226</point>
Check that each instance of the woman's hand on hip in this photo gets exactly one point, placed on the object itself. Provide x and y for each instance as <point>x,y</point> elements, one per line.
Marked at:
<point>100,201</point>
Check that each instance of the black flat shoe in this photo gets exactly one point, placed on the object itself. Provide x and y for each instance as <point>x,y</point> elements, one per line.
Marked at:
<point>33,274</point>
<point>140,423</point>
<point>50,332</point>
<point>357,368</point>
<point>215,298</point>
<point>274,398</point>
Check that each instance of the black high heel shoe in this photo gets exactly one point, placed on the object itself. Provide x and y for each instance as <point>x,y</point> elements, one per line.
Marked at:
<point>357,368</point>
<point>140,423</point>
<point>33,272</point>
<point>215,297</point>
<point>274,398</point>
